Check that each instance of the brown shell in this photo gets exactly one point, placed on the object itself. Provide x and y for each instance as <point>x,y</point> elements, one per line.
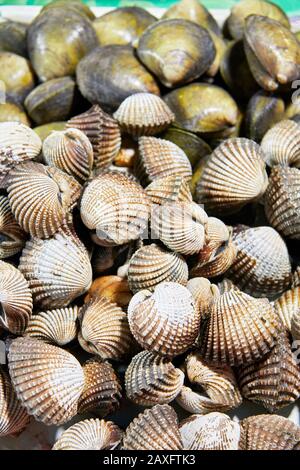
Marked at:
<point>287,305</point>
<point>12,237</point>
<point>113,288</point>
<point>295,326</point>
<point>281,144</point>
<point>203,293</point>
<point>172,188</point>
<point>197,402</point>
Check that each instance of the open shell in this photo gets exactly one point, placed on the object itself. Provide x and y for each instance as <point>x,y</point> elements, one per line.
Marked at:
<point>172,188</point>
<point>287,305</point>
<point>281,144</point>
<point>12,237</point>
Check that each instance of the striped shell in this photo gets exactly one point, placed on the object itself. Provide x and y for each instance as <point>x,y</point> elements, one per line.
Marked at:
<point>197,403</point>
<point>57,269</point>
<point>54,326</point>
<point>212,262</point>
<point>151,379</point>
<point>144,114</point>
<point>164,321</point>
<point>15,299</point>
<point>152,264</point>
<point>296,277</point>
<point>203,293</point>
<point>287,306</point>
<point>70,151</point>
<point>154,429</point>
<point>56,380</point>
<point>104,329</point>
<point>172,188</point>
<point>12,237</point>
<point>90,434</point>
<point>41,197</point>
<point>295,325</point>
<point>281,144</point>
<point>234,176</point>
<point>103,132</point>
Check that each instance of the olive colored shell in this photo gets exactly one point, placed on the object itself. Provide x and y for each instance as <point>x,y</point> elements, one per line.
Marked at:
<point>281,144</point>
<point>154,429</point>
<point>51,101</point>
<point>203,293</point>
<point>172,188</point>
<point>13,37</point>
<point>15,299</point>
<point>12,237</point>
<point>287,305</point>
<point>16,76</point>
<point>113,288</point>
<point>45,130</point>
<point>110,74</point>
<point>41,197</point>
<point>151,379</point>
<point>56,380</point>
<point>164,321</point>
<point>13,113</point>
<point>76,5</point>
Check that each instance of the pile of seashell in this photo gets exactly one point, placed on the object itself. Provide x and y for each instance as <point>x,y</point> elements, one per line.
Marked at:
<point>150,227</point>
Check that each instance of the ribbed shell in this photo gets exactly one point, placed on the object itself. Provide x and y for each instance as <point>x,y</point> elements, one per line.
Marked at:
<point>54,326</point>
<point>168,189</point>
<point>153,264</point>
<point>234,175</point>
<point>295,326</point>
<point>41,197</point>
<point>103,132</point>
<point>197,403</point>
<point>218,263</point>
<point>70,151</point>
<point>240,329</point>
<point>165,321</point>
<point>57,270</point>
<point>12,237</point>
<point>281,144</point>
<point>48,380</point>
<point>104,329</point>
<point>262,266</point>
<point>144,114</point>
<point>154,429</point>
<point>15,299</point>
<point>13,417</point>
<point>203,293</point>
<point>90,434</point>
<point>151,379</point>
<point>287,305</point>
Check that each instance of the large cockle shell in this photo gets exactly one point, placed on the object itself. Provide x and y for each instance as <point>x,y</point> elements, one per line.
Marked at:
<point>164,321</point>
<point>287,305</point>
<point>56,380</point>
<point>12,237</point>
<point>168,189</point>
<point>281,144</point>
<point>151,379</point>
<point>203,293</point>
<point>15,299</point>
<point>154,429</point>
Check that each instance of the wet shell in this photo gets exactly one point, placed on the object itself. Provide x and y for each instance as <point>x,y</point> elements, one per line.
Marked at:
<point>287,305</point>
<point>12,237</point>
<point>56,380</point>
<point>41,197</point>
<point>234,175</point>
<point>151,379</point>
<point>103,132</point>
<point>15,299</point>
<point>90,434</point>
<point>154,429</point>
<point>70,151</point>
<point>104,329</point>
<point>203,293</point>
<point>153,264</point>
<point>144,114</point>
<point>281,144</point>
<point>295,326</point>
<point>113,288</point>
<point>168,189</point>
<point>54,326</point>
<point>57,270</point>
<point>165,321</point>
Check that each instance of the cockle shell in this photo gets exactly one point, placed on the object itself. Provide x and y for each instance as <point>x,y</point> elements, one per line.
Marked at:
<point>54,326</point>
<point>15,299</point>
<point>104,329</point>
<point>164,321</point>
<point>41,197</point>
<point>287,305</point>
<point>13,417</point>
<point>172,188</point>
<point>151,379</point>
<point>296,277</point>
<point>197,403</point>
<point>103,132</point>
<point>152,264</point>
<point>203,293</point>
<point>234,175</point>
<point>90,434</point>
<point>154,429</point>
<point>113,288</point>
<point>281,144</point>
<point>57,269</point>
<point>12,237</point>
<point>56,380</point>
<point>295,326</point>
<point>70,151</point>
<point>144,114</point>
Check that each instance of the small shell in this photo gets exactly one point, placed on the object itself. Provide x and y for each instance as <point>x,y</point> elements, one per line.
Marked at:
<point>203,293</point>
<point>295,326</point>
<point>103,132</point>
<point>154,429</point>
<point>56,380</point>
<point>54,326</point>
<point>197,403</point>
<point>168,189</point>
<point>104,329</point>
<point>15,299</point>
<point>152,264</point>
<point>113,288</point>
<point>287,306</point>
<point>144,114</point>
<point>281,144</point>
<point>151,379</point>
<point>90,434</point>
<point>12,237</point>
<point>214,261</point>
<point>165,321</point>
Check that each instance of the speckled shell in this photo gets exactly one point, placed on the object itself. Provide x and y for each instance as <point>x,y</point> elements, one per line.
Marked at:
<point>295,326</point>
<point>165,321</point>
<point>281,144</point>
<point>233,176</point>
<point>104,329</point>
<point>151,379</point>
<point>41,197</point>
<point>168,189</point>
<point>203,293</point>
<point>90,434</point>
<point>287,305</point>
<point>12,237</point>
<point>15,299</point>
<point>153,264</point>
<point>103,132</point>
<point>154,429</point>
<point>56,380</point>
